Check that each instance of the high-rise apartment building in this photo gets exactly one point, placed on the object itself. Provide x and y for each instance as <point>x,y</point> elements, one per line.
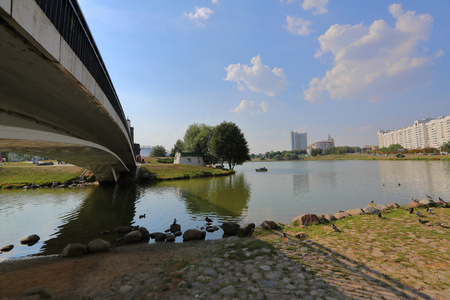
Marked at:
<point>298,141</point>
<point>422,134</point>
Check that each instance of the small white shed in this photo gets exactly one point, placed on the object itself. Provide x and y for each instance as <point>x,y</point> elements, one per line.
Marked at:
<point>189,159</point>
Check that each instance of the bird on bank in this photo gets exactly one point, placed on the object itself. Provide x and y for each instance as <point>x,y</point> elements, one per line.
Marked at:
<point>208,220</point>
<point>429,210</point>
<point>419,214</point>
<point>286,238</point>
<point>442,225</point>
<point>174,221</point>
<point>379,215</point>
<point>428,196</point>
<point>440,199</point>
<point>410,210</point>
<point>142,216</point>
<point>335,228</point>
<point>423,221</point>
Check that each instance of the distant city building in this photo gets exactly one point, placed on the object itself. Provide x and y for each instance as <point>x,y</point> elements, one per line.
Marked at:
<point>369,148</point>
<point>324,145</point>
<point>299,141</point>
<point>422,134</point>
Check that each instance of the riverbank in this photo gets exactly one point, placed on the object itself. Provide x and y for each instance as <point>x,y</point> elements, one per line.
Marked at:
<point>352,156</point>
<point>394,257</point>
<point>179,171</point>
<point>18,175</point>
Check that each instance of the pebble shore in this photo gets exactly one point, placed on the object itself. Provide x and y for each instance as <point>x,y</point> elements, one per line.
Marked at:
<point>265,273</point>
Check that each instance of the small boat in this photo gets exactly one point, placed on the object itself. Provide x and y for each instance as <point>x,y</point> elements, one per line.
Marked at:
<point>263,169</point>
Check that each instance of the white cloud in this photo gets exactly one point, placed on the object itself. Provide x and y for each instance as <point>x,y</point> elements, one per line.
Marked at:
<point>251,107</point>
<point>200,16</point>
<point>374,62</point>
<point>297,26</point>
<point>257,78</point>
<point>215,1</point>
<point>319,6</point>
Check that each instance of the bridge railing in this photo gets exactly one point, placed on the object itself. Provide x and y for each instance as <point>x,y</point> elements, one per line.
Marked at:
<point>68,19</point>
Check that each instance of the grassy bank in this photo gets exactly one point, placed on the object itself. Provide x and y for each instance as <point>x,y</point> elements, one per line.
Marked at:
<point>179,171</point>
<point>17,175</point>
<point>352,156</point>
<point>397,247</point>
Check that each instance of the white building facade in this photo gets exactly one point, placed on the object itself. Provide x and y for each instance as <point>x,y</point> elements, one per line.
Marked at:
<point>324,145</point>
<point>422,134</point>
<point>189,159</point>
<point>299,141</point>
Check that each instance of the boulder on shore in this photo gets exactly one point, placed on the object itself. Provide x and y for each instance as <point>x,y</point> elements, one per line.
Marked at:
<point>230,228</point>
<point>381,207</point>
<point>393,205</point>
<point>98,245</point>
<point>247,228</point>
<point>341,215</point>
<point>414,204</point>
<point>74,249</point>
<point>355,212</point>
<point>427,201</point>
<point>306,219</point>
<point>193,234</point>
<point>370,210</point>
<point>268,225</point>
<point>328,217</point>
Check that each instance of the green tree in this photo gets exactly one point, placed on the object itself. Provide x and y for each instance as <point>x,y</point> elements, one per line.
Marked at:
<point>394,148</point>
<point>197,139</point>
<point>316,151</point>
<point>178,147</point>
<point>446,147</point>
<point>158,151</point>
<point>229,144</point>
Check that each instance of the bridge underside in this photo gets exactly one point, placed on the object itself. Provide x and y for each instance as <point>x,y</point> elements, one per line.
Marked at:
<point>106,166</point>
<point>51,106</point>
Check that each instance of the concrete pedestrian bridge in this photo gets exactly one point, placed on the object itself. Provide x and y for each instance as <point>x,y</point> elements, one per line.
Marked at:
<point>56,97</point>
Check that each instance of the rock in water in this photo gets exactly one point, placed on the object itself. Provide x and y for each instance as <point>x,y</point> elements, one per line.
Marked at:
<point>7,248</point>
<point>30,240</point>
<point>193,234</point>
<point>158,236</point>
<point>230,228</point>
<point>133,237</point>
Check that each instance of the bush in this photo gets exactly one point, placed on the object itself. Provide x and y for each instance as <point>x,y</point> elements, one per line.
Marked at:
<point>168,160</point>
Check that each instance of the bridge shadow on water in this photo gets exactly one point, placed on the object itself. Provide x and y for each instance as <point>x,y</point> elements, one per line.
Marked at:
<point>104,208</point>
<point>353,280</point>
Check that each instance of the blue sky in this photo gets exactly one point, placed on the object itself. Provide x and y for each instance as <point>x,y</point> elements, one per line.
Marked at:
<point>345,68</point>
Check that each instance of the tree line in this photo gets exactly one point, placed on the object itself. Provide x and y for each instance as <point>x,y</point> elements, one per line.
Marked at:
<point>217,144</point>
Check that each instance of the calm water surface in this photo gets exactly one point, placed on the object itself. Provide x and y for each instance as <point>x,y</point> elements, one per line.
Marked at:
<point>288,189</point>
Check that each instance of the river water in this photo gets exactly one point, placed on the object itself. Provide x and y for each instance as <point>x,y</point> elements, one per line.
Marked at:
<point>288,189</point>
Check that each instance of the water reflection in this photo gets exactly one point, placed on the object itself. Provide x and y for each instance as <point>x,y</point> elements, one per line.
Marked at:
<point>63,216</point>
<point>224,197</point>
<point>103,209</point>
